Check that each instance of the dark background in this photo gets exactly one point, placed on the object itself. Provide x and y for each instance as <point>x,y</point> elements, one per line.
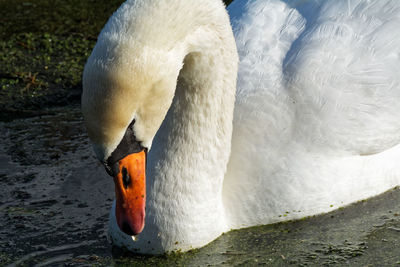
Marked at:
<point>44,46</point>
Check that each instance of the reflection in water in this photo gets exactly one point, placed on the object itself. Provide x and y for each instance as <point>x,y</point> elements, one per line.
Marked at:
<point>55,198</point>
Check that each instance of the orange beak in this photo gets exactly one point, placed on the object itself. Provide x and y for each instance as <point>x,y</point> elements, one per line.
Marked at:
<point>130,191</point>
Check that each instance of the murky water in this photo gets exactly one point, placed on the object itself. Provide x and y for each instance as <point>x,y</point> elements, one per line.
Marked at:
<point>55,198</point>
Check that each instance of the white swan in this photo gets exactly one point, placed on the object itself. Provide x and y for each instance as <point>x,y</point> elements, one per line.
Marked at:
<point>316,123</point>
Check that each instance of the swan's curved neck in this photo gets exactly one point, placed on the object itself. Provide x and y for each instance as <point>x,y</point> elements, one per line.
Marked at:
<point>190,152</point>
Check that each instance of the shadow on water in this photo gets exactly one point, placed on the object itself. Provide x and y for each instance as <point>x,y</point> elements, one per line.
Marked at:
<point>55,198</point>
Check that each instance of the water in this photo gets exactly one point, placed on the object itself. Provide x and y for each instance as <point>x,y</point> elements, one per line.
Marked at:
<point>55,198</point>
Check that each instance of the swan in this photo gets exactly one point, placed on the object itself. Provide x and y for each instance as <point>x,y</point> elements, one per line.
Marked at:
<point>295,112</point>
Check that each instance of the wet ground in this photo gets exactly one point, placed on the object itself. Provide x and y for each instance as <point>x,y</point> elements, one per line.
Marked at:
<point>55,198</point>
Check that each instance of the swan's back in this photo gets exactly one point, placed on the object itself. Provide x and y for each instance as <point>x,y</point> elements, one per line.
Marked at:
<point>343,74</point>
<point>318,91</point>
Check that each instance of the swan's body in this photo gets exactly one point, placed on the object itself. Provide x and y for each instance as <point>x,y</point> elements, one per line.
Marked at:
<point>316,122</point>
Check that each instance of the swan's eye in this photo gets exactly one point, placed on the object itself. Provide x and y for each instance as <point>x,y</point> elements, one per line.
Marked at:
<point>132,124</point>
<point>112,169</point>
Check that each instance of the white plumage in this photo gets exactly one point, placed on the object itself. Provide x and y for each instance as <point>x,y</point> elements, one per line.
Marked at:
<point>316,122</point>
<point>319,98</point>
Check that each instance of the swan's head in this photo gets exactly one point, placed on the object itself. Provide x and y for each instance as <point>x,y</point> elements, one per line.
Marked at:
<point>123,85</point>
<point>127,90</point>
